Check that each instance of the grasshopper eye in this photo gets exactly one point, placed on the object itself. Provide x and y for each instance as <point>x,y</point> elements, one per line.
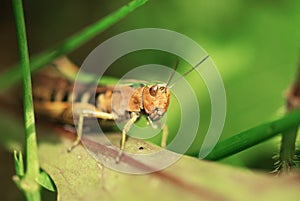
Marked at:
<point>153,90</point>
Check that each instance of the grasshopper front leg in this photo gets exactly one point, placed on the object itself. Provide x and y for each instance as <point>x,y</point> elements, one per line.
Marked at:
<point>164,127</point>
<point>133,117</point>
<point>165,134</point>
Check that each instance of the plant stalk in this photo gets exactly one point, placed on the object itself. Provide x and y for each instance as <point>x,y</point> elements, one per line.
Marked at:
<point>28,183</point>
<point>288,138</point>
<point>253,136</point>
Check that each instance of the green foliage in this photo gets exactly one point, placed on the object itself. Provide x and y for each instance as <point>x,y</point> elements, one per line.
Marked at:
<point>19,164</point>
<point>70,44</point>
<point>78,176</point>
<point>45,181</point>
<point>27,183</point>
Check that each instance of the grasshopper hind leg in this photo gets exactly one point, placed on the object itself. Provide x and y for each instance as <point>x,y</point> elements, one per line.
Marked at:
<point>79,134</point>
<point>88,113</point>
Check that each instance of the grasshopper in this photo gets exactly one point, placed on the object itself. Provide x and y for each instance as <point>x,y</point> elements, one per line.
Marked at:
<point>53,97</point>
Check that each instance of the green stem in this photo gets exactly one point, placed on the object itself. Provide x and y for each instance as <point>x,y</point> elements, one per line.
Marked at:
<point>287,149</point>
<point>253,136</point>
<point>288,139</point>
<point>30,187</point>
<point>12,75</point>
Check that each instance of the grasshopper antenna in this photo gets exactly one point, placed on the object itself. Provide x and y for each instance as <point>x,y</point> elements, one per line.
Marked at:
<point>189,71</point>
<point>173,73</point>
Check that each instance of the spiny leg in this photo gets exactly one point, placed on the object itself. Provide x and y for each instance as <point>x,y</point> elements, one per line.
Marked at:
<point>125,130</point>
<point>89,113</point>
<point>165,134</point>
<point>79,133</point>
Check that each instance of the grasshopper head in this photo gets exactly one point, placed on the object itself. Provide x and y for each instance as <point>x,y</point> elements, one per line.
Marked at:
<point>156,100</point>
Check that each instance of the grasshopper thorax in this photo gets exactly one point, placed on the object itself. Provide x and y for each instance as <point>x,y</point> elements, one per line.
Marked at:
<point>155,100</point>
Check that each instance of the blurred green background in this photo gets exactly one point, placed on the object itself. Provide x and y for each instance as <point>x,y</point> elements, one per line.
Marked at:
<point>255,45</point>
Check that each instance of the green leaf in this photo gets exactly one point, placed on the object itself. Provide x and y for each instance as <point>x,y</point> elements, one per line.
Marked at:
<point>19,164</point>
<point>79,177</point>
<point>45,181</point>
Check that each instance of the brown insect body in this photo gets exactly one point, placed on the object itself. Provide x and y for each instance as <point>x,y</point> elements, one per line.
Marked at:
<point>55,98</point>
